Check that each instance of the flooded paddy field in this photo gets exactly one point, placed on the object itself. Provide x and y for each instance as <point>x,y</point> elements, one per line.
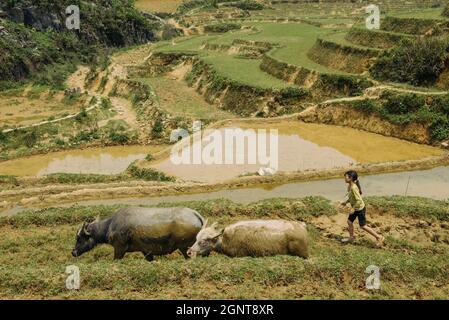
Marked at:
<point>107,160</point>
<point>433,183</point>
<point>300,146</point>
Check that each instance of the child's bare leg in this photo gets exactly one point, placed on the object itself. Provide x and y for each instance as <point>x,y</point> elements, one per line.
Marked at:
<point>351,229</point>
<point>372,232</point>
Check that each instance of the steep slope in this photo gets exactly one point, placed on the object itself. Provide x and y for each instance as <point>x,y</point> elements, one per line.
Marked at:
<point>34,33</point>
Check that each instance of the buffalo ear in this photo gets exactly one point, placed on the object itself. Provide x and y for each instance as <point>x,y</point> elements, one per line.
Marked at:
<point>86,229</point>
<point>219,234</point>
<point>81,229</point>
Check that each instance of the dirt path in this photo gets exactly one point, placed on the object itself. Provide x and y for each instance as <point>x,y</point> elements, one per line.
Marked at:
<point>118,69</point>
<point>422,231</point>
<point>186,31</point>
<point>125,111</point>
<point>76,82</point>
<point>376,91</point>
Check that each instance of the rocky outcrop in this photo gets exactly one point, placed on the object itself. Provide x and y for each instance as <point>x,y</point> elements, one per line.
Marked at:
<point>38,18</point>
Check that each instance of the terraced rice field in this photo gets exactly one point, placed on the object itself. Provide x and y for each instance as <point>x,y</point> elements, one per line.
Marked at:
<point>180,100</point>
<point>300,147</point>
<point>158,5</point>
<point>120,151</point>
<point>35,105</point>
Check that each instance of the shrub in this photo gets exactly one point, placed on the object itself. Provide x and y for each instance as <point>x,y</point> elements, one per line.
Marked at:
<point>85,136</point>
<point>6,179</point>
<point>103,82</point>
<point>38,45</point>
<point>71,97</point>
<point>3,137</point>
<point>187,6</point>
<point>415,26</point>
<point>441,104</point>
<point>401,109</point>
<point>67,178</point>
<point>445,12</point>
<point>440,128</point>
<point>148,174</point>
<point>113,92</point>
<point>346,84</point>
<point>59,142</point>
<point>119,137</point>
<point>367,106</point>
<point>374,39</point>
<point>222,27</point>
<point>290,97</point>
<point>82,115</point>
<point>93,101</point>
<point>29,138</point>
<point>106,103</point>
<point>248,5</point>
<point>402,103</point>
<point>158,128</point>
<point>55,75</point>
<point>418,62</point>
<point>293,93</point>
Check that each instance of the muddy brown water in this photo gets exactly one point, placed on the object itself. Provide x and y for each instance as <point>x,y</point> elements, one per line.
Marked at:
<point>301,146</point>
<point>433,183</point>
<point>108,160</point>
<point>292,153</point>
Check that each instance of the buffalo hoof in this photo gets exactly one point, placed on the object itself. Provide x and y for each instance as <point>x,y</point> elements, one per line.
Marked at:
<point>149,257</point>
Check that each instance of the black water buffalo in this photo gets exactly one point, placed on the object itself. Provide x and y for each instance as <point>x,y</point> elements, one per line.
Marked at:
<point>152,231</point>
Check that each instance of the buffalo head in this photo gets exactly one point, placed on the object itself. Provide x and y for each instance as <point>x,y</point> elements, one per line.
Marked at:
<point>85,240</point>
<point>206,241</point>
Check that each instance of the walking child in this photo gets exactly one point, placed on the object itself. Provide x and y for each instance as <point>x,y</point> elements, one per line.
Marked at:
<point>358,210</point>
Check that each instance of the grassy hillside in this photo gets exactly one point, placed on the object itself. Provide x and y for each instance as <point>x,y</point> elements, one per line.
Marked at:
<point>35,250</point>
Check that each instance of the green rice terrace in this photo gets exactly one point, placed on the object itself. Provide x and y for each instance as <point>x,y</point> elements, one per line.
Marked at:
<point>86,123</point>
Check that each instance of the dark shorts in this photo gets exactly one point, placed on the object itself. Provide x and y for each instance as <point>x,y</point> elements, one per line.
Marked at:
<point>361,215</point>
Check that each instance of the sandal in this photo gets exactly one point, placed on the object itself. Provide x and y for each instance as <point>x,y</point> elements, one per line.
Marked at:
<point>348,240</point>
<point>380,242</point>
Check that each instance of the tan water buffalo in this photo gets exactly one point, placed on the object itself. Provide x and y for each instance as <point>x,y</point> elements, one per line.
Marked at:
<point>256,238</point>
